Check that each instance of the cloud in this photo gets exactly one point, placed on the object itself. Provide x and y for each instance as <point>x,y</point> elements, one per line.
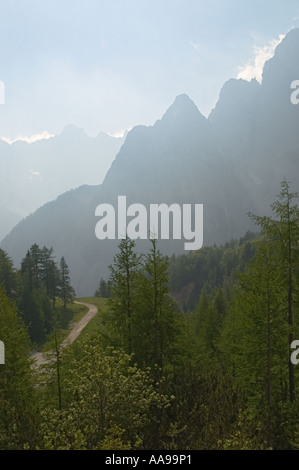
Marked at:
<point>33,175</point>
<point>254,68</point>
<point>29,140</point>
<point>119,134</point>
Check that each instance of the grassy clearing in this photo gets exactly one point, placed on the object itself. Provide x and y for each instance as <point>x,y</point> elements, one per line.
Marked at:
<point>95,324</point>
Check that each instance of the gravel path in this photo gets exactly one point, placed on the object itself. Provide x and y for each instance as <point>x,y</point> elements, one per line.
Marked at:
<point>39,358</point>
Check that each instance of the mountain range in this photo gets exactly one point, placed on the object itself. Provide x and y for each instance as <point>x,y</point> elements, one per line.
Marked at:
<point>33,174</point>
<point>231,162</point>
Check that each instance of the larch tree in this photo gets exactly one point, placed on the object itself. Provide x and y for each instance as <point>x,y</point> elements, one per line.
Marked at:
<point>281,231</point>
<point>159,320</point>
<point>122,308</point>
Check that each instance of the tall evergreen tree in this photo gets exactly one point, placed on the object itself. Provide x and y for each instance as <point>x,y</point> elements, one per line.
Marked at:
<point>282,233</point>
<point>254,331</point>
<point>67,292</point>
<point>207,325</point>
<point>7,274</point>
<point>36,259</point>
<point>122,309</point>
<point>40,283</point>
<point>159,321</point>
<point>18,417</point>
<point>46,261</point>
<point>103,289</point>
<point>53,282</point>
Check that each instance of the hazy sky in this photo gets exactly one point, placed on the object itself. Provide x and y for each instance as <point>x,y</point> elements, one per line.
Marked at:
<point>107,65</point>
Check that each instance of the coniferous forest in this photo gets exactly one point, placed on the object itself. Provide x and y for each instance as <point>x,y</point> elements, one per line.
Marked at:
<point>188,352</point>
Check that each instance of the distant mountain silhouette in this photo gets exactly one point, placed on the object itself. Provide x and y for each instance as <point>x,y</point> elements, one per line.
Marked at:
<point>33,174</point>
<point>232,163</point>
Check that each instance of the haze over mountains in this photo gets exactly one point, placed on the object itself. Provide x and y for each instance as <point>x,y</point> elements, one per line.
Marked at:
<point>33,174</point>
<point>232,163</point>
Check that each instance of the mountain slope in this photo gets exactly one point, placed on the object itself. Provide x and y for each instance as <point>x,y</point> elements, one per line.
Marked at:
<point>232,163</point>
<point>33,174</point>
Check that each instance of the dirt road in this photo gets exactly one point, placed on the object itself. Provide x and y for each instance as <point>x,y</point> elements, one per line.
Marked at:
<point>74,333</point>
<point>40,358</point>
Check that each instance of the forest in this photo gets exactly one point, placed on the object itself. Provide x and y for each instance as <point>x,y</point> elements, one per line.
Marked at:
<point>191,352</point>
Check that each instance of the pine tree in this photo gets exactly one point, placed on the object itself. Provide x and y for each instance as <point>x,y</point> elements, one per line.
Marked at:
<point>39,283</point>
<point>103,289</point>
<point>36,271</point>
<point>26,274</point>
<point>28,300</point>
<point>7,274</point>
<point>53,282</point>
<point>67,292</point>
<point>46,260</point>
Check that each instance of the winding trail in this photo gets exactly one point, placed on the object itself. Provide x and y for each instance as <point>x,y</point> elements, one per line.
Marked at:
<point>42,358</point>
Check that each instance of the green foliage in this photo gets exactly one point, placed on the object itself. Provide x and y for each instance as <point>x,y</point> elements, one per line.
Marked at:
<point>66,291</point>
<point>18,420</point>
<point>7,274</point>
<point>106,400</point>
<point>142,317</point>
<point>149,374</point>
<point>253,338</point>
<point>281,232</point>
<point>114,440</point>
<point>209,269</point>
<point>124,276</point>
<point>40,283</point>
<point>205,410</point>
<point>104,289</point>
<point>159,322</point>
<point>247,435</point>
<point>263,318</point>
